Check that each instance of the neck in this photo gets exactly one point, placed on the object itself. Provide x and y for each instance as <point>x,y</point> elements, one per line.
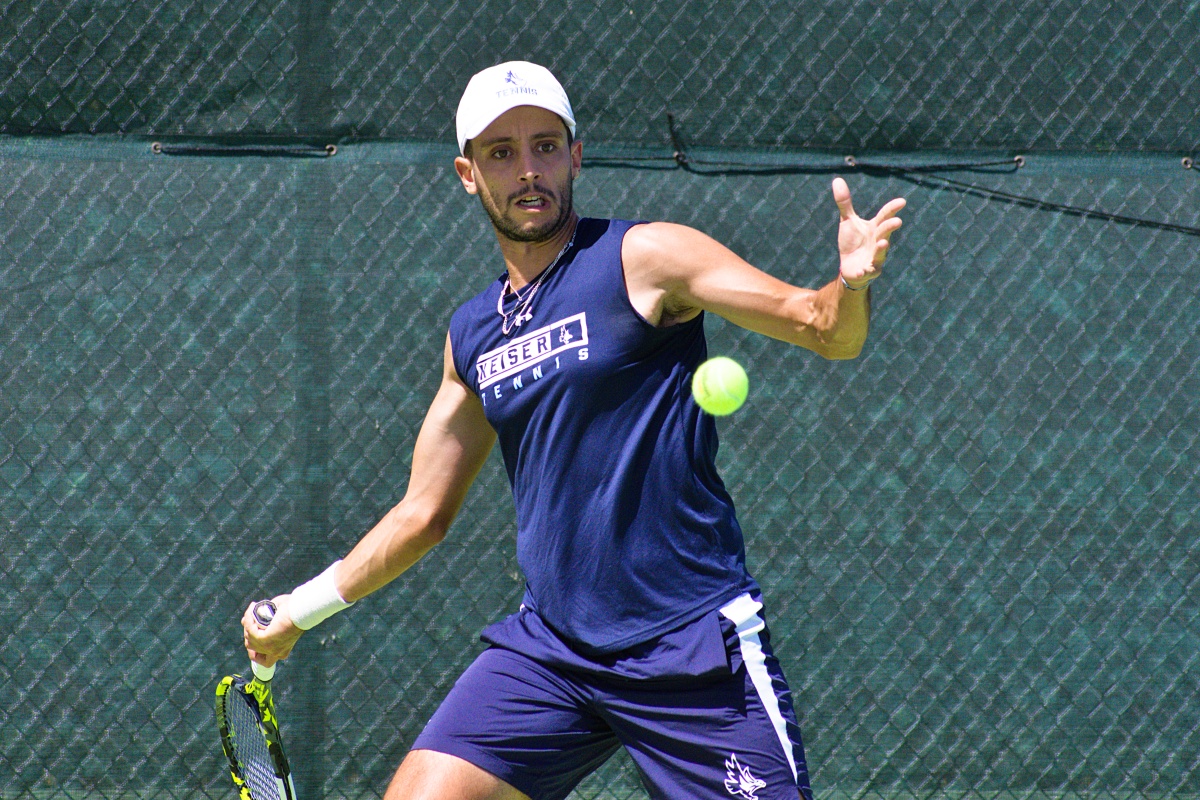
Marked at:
<point>527,260</point>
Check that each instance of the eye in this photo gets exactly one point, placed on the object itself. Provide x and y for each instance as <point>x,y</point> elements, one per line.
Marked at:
<point>547,147</point>
<point>501,153</point>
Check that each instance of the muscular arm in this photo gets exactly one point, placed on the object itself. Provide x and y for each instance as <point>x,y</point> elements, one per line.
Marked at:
<point>674,272</point>
<point>451,447</point>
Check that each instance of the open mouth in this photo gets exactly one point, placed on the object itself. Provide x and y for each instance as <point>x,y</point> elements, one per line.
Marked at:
<point>532,202</point>
<point>534,198</point>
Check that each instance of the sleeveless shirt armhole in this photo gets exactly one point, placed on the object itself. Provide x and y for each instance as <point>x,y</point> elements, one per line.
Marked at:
<point>698,319</point>
<point>457,321</point>
<point>454,360</point>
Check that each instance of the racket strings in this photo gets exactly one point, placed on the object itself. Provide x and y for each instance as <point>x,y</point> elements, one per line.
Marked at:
<point>250,747</point>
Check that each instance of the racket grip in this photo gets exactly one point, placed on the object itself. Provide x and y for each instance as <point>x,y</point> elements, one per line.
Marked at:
<point>264,674</point>
<point>264,612</point>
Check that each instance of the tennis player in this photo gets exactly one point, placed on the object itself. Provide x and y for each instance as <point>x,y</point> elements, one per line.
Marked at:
<point>640,625</point>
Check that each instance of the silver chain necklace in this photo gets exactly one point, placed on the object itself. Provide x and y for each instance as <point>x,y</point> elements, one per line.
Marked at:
<point>521,311</point>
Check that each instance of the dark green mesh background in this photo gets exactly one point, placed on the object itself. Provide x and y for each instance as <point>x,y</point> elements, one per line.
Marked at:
<point>1044,74</point>
<point>978,541</point>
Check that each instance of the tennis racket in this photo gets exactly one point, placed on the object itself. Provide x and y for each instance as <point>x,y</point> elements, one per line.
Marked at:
<point>250,730</point>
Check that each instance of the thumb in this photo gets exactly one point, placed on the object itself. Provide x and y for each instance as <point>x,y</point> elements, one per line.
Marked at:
<point>841,196</point>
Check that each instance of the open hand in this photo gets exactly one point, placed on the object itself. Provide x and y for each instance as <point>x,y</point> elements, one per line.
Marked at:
<point>863,244</point>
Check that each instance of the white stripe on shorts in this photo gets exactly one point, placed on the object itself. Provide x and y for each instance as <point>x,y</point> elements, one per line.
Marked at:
<point>743,613</point>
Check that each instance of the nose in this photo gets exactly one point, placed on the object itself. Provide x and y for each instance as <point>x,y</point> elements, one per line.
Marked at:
<point>528,166</point>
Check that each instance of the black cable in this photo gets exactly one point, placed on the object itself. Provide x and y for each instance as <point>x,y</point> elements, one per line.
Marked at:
<point>929,176</point>
<point>244,149</point>
<point>647,163</point>
<point>940,181</point>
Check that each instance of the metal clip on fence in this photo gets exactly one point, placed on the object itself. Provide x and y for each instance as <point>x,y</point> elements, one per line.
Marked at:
<point>679,155</point>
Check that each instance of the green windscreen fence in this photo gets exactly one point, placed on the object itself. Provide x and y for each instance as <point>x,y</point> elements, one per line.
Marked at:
<point>1046,74</point>
<point>978,541</point>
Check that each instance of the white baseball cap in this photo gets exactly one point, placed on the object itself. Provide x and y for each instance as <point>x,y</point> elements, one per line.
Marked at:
<point>495,90</point>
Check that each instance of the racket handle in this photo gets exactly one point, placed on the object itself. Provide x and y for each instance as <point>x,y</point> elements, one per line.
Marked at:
<point>264,674</point>
<point>264,612</point>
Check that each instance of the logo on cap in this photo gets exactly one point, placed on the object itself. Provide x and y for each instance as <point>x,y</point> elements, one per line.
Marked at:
<point>519,86</point>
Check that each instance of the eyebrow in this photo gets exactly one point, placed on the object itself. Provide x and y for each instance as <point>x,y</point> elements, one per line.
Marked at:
<point>547,134</point>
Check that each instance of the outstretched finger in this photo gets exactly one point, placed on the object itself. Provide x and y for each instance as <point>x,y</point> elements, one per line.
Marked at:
<point>890,209</point>
<point>841,196</point>
<point>885,229</point>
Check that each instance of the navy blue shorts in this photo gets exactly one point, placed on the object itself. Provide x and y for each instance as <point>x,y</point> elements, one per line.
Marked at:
<point>542,728</point>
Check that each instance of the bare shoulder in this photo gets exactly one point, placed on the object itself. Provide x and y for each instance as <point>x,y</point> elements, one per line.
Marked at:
<point>455,417</point>
<point>665,262</point>
<point>653,235</point>
<point>668,250</point>
<point>654,259</point>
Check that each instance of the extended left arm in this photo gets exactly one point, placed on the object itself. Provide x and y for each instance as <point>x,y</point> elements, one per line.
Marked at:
<point>673,272</point>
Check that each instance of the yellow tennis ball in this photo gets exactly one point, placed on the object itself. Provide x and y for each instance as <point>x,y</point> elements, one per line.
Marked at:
<point>720,386</point>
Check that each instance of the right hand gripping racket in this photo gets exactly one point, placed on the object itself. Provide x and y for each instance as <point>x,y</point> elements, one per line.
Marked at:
<point>250,730</point>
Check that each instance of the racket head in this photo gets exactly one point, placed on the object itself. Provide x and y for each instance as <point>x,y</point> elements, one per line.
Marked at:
<point>251,741</point>
<point>250,730</point>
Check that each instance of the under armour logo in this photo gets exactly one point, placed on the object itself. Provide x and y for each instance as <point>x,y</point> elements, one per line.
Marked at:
<point>739,781</point>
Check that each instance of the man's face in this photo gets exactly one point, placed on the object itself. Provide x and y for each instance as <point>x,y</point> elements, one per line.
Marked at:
<point>522,168</point>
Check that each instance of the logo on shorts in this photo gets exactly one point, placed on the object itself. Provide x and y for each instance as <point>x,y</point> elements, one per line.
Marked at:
<point>739,781</point>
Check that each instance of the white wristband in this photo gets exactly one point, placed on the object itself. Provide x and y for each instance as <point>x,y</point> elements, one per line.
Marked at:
<point>316,601</point>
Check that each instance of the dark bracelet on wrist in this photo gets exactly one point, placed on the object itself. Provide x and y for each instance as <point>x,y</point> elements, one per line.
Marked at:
<point>854,288</point>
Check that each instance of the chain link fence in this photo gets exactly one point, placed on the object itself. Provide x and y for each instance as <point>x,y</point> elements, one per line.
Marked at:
<point>934,74</point>
<point>977,541</point>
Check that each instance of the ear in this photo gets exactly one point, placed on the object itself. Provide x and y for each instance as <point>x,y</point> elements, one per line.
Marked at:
<point>576,158</point>
<point>466,173</point>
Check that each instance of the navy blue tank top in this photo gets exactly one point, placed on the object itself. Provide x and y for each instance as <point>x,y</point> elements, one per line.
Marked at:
<point>624,528</point>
